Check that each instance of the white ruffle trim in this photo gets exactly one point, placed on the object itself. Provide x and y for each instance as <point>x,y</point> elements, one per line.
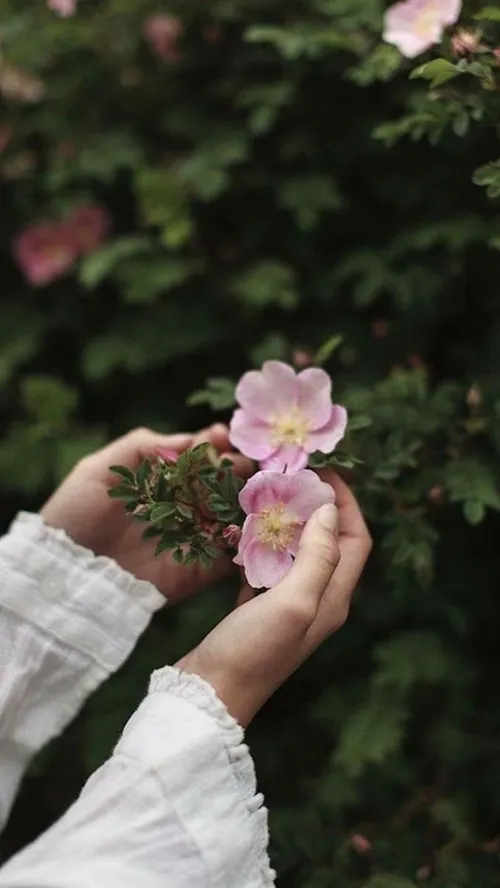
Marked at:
<point>201,694</point>
<point>57,542</point>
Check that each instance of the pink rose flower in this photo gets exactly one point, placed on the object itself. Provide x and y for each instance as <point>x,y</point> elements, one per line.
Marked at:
<point>162,33</point>
<point>45,252</point>
<point>277,506</point>
<point>285,416</point>
<point>64,8</point>
<point>90,225</point>
<point>415,25</point>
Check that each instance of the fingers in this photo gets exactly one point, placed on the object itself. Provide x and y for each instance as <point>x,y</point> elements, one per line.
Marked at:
<point>351,521</point>
<point>317,558</point>
<point>135,446</point>
<point>355,544</point>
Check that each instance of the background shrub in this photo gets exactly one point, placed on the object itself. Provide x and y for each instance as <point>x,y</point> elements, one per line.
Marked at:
<point>273,177</point>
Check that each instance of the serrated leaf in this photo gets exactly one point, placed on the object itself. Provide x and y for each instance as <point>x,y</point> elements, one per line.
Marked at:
<point>99,264</point>
<point>162,511</point>
<point>436,72</point>
<point>124,472</point>
<point>328,348</point>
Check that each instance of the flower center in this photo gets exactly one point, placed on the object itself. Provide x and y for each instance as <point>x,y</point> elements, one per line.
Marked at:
<point>426,21</point>
<point>290,428</point>
<point>276,528</point>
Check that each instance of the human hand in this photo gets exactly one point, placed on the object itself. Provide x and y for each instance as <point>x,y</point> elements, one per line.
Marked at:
<point>82,507</point>
<point>258,646</point>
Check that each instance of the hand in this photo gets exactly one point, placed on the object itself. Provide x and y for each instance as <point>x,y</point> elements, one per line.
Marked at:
<point>258,646</point>
<point>82,507</point>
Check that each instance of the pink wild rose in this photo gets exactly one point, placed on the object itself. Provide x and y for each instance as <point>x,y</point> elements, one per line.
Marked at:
<point>162,33</point>
<point>45,253</point>
<point>90,225</point>
<point>415,25</point>
<point>277,506</point>
<point>64,8</point>
<point>285,416</point>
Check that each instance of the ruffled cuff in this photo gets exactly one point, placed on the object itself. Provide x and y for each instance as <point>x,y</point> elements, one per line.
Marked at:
<point>197,748</point>
<point>85,601</point>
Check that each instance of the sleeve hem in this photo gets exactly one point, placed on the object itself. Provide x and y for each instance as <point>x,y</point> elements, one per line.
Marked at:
<point>194,690</point>
<point>85,601</point>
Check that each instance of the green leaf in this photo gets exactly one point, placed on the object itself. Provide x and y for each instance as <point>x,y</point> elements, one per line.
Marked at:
<point>163,511</point>
<point>387,880</point>
<point>474,511</point>
<point>265,284</point>
<point>488,13</point>
<point>308,197</point>
<point>219,394</point>
<point>98,265</point>
<point>124,472</point>
<point>488,176</point>
<point>143,473</point>
<point>358,423</point>
<point>437,72</point>
<point>327,349</point>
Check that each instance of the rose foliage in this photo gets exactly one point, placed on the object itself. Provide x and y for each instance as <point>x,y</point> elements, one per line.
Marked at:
<point>189,190</point>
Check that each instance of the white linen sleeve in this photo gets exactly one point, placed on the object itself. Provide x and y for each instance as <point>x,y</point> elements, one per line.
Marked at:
<point>175,806</point>
<point>67,620</point>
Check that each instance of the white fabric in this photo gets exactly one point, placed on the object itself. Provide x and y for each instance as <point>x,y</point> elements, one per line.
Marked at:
<point>176,805</point>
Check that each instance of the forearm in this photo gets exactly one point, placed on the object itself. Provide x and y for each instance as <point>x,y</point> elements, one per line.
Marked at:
<point>67,620</point>
<point>175,805</point>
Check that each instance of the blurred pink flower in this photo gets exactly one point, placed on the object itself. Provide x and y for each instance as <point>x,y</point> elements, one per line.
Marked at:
<point>415,25</point>
<point>277,506</point>
<point>162,33</point>
<point>361,844</point>
<point>64,8</point>
<point>285,416</point>
<point>45,252</point>
<point>90,225</point>
<point>5,136</point>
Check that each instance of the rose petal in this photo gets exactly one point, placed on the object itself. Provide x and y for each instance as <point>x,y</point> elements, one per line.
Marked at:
<point>265,392</point>
<point>251,436</point>
<point>305,493</point>
<point>263,490</point>
<point>327,438</point>
<point>315,396</point>
<point>287,458</point>
<point>248,534</point>
<point>415,25</point>
<point>264,567</point>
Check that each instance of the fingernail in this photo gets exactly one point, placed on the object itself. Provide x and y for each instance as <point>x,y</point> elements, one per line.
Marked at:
<point>327,517</point>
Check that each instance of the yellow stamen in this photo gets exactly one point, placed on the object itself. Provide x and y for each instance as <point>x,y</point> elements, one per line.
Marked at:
<point>276,528</point>
<point>426,21</point>
<point>290,428</point>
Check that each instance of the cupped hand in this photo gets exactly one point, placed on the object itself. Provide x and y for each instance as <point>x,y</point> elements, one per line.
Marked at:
<point>258,646</point>
<point>81,506</point>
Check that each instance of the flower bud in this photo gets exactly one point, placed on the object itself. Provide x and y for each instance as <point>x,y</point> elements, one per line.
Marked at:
<point>167,454</point>
<point>232,535</point>
<point>474,397</point>
<point>464,42</point>
<point>361,844</point>
<point>302,358</point>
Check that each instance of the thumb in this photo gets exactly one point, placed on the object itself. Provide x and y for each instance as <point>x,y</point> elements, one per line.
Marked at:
<point>317,557</point>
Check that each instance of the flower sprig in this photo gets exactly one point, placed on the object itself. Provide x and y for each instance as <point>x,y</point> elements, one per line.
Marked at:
<point>196,507</point>
<point>187,501</point>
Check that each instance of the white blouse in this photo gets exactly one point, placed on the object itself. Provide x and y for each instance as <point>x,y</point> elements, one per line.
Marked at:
<point>176,804</point>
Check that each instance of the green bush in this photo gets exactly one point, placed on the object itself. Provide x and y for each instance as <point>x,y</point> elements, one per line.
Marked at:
<point>276,179</point>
